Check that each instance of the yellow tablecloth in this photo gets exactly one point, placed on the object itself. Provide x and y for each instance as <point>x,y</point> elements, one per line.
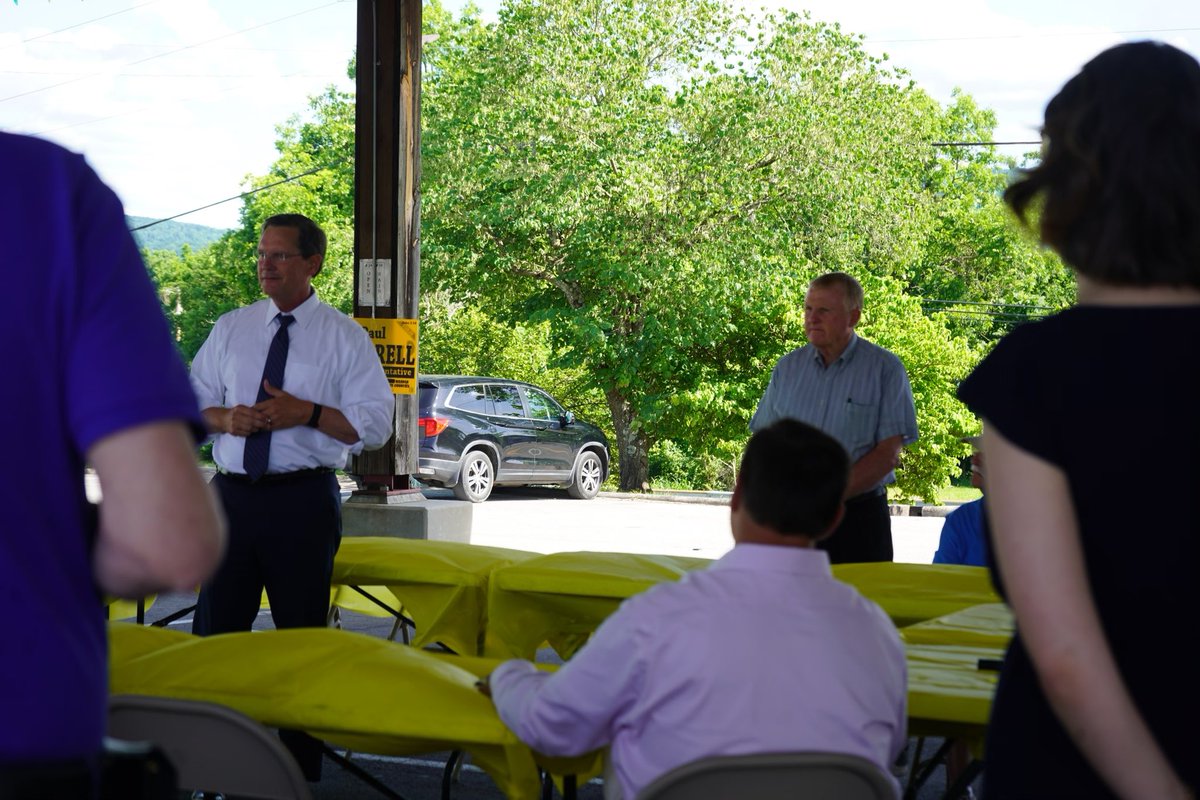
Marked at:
<point>354,691</point>
<point>912,593</point>
<point>443,585</point>
<point>988,625</point>
<point>561,598</point>
<point>117,608</point>
<point>948,694</point>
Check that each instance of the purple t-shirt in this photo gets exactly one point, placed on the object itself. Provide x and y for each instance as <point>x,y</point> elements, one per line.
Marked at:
<point>87,353</point>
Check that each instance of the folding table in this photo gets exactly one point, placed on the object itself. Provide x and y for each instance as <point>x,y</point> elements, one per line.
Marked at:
<point>562,597</point>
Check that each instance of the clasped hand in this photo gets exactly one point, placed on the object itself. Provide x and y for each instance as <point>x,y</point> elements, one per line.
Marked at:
<point>280,410</point>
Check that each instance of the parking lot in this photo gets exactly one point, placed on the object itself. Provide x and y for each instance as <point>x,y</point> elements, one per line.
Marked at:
<point>680,524</point>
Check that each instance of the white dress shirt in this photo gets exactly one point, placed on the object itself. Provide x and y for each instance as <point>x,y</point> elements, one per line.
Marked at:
<point>762,652</point>
<point>330,361</point>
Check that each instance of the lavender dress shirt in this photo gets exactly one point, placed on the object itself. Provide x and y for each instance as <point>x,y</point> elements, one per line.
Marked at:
<point>762,652</point>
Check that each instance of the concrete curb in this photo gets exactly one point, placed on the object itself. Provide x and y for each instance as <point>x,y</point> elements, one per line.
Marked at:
<point>722,499</point>
<point>674,496</point>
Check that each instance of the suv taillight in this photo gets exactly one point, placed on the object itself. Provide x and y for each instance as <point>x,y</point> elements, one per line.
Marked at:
<point>432,426</point>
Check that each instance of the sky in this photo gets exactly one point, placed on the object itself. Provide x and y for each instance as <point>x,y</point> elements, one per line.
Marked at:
<point>175,102</point>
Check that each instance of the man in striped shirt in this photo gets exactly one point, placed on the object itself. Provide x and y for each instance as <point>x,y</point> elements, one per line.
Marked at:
<point>858,393</point>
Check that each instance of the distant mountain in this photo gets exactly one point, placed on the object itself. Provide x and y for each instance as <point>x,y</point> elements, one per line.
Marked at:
<point>172,235</point>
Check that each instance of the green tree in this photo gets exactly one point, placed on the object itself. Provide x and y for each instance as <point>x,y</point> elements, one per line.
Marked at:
<point>199,286</point>
<point>623,202</point>
<point>975,251</point>
<point>652,180</point>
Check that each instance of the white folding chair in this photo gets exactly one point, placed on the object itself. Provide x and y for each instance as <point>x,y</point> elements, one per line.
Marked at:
<point>213,748</point>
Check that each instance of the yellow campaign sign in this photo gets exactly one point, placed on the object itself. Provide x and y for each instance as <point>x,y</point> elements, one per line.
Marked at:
<point>395,343</point>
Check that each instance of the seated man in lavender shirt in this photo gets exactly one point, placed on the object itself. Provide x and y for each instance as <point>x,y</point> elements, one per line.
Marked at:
<point>762,652</point>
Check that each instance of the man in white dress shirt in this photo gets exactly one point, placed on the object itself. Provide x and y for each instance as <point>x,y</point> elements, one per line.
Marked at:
<point>289,387</point>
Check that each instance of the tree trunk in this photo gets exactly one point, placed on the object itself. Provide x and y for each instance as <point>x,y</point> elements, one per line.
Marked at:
<point>632,446</point>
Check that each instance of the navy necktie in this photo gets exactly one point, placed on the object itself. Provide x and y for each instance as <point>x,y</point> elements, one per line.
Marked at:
<point>258,444</point>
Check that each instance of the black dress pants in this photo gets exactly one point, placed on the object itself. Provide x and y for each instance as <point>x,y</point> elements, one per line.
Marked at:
<point>283,534</point>
<point>65,779</point>
<point>865,533</point>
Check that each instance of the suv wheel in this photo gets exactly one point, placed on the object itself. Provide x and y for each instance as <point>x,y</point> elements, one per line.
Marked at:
<point>589,473</point>
<point>476,478</point>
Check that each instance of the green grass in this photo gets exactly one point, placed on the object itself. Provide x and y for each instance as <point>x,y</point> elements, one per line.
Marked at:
<point>959,494</point>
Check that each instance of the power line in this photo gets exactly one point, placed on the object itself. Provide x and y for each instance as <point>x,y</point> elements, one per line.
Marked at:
<point>171,52</point>
<point>241,196</point>
<point>90,21</point>
<point>981,144</point>
<point>1055,35</point>
<point>141,110</point>
<point>983,311</point>
<point>173,76</point>
<point>985,303</point>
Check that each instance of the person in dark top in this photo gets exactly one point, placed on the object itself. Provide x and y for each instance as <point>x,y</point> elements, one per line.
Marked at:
<point>1090,437</point>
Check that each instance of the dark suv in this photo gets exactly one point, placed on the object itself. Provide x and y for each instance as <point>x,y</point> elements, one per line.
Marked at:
<point>477,433</point>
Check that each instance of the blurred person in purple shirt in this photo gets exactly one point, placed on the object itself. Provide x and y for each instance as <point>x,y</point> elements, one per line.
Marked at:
<point>762,652</point>
<point>93,379</point>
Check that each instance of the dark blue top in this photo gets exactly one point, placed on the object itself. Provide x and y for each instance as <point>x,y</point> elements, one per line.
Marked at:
<point>1109,396</point>
<point>87,353</point>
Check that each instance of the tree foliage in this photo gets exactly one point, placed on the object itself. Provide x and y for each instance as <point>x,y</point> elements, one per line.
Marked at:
<point>199,286</point>
<point>624,200</point>
<point>657,181</point>
<point>975,250</point>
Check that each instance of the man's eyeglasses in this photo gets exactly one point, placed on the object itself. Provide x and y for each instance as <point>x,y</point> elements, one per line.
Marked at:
<point>275,257</point>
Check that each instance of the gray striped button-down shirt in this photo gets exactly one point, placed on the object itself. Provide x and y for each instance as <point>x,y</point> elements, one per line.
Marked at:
<point>861,399</point>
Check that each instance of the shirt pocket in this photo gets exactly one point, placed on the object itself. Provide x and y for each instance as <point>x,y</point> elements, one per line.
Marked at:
<point>862,420</point>
<point>306,382</point>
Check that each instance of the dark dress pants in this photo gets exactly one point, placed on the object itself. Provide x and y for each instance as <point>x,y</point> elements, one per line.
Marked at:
<point>282,537</point>
<point>66,779</point>
<point>865,533</point>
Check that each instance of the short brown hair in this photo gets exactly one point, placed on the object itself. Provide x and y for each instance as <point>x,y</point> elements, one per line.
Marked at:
<point>311,239</point>
<point>793,477</point>
<point>1118,187</point>
<point>851,288</point>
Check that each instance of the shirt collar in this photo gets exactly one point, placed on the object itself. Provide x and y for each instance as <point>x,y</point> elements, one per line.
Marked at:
<point>776,558</point>
<point>301,312</point>
<point>847,354</point>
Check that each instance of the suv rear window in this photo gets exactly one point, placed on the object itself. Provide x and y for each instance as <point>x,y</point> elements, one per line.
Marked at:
<point>471,398</point>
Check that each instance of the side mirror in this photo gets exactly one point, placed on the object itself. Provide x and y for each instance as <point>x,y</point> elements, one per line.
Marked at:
<point>566,418</point>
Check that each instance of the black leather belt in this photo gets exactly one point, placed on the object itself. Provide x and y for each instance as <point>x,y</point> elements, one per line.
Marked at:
<point>277,478</point>
<point>871,495</point>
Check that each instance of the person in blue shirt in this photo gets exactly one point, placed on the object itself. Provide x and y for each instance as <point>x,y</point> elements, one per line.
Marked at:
<point>962,539</point>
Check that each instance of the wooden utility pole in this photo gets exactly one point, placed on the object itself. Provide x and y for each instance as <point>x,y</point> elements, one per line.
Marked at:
<point>387,170</point>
